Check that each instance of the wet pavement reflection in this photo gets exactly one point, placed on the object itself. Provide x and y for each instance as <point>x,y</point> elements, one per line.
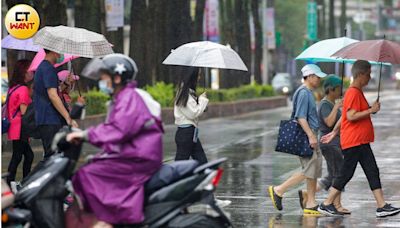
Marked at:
<point>248,142</point>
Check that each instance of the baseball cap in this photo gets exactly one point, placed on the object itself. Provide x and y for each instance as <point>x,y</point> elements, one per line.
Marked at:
<point>332,81</point>
<point>310,69</point>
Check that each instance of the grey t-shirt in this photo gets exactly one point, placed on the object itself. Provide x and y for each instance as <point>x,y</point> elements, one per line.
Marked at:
<point>325,108</point>
<point>306,107</point>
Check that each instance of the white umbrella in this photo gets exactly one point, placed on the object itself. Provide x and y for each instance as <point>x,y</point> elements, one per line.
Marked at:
<point>205,54</point>
<point>74,41</point>
<point>10,42</point>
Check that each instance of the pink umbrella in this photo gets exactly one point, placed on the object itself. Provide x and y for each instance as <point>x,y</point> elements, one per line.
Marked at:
<point>40,56</point>
<point>372,50</point>
<point>62,75</point>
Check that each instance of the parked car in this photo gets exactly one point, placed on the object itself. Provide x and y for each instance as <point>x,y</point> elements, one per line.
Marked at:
<point>282,83</point>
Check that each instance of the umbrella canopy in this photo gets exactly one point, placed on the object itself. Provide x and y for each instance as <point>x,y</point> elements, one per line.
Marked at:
<point>372,50</point>
<point>40,56</point>
<point>63,75</point>
<point>322,51</point>
<point>10,42</point>
<point>74,41</point>
<point>91,69</point>
<point>205,54</point>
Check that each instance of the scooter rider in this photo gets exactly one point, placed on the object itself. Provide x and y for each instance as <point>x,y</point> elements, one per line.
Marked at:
<point>111,186</point>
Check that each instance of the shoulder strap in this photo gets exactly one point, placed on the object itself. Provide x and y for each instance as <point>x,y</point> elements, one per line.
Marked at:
<point>11,92</point>
<point>5,106</point>
<point>295,102</point>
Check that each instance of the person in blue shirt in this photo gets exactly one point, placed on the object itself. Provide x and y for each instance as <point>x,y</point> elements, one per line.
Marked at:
<point>50,112</point>
<point>306,115</point>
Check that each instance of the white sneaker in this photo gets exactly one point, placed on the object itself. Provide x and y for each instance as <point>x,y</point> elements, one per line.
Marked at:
<point>13,186</point>
<point>223,203</point>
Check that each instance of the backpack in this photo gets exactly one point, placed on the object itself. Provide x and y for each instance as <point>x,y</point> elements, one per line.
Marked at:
<point>5,122</point>
<point>28,126</point>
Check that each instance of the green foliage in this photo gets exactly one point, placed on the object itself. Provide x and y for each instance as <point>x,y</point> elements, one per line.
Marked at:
<point>165,93</point>
<point>291,23</point>
<point>162,92</point>
<point>95,101</point>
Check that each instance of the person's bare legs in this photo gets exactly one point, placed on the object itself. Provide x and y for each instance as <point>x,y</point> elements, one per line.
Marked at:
<point>295,179</point>
<point>378,194</point>
<point>338,204</point>
<point>333,193</point>
<point>311,189</point>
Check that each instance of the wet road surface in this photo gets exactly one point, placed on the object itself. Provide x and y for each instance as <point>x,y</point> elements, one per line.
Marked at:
<point>248,142</point>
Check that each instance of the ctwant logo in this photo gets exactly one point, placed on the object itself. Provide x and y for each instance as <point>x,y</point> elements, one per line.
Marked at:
<point>22,21</point>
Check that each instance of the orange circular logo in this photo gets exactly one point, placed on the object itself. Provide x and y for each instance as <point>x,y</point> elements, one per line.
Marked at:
<point>22,21</point>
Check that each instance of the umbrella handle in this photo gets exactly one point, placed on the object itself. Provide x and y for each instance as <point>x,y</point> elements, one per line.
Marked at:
<point>379,82</point>
<point>341,89</point>
<point>77,81</point>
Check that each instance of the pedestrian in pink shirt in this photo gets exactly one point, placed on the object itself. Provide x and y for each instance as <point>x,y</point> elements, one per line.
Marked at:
<point>18,101</point>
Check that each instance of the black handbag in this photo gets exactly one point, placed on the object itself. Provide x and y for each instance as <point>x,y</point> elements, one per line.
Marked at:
<point>291,137</point>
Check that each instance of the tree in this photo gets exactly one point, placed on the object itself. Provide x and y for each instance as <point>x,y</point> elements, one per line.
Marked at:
<point>197,33</point>
<point>290,20</point>
<point>331,18</point>
<point>343,18</point>
<point>179,30</point>
<point>137,48</point>
<point>321,20</point>
<point>243,36</point>
<point>258,40</point>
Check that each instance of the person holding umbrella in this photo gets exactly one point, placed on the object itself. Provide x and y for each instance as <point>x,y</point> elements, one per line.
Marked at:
<point>50,112</point>
<point>188,108</point>
<point>356,134</point>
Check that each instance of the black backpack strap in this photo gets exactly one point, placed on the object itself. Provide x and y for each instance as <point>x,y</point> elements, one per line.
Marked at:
<point>8,97</point>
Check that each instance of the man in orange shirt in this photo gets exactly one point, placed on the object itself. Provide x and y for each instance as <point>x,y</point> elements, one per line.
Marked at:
<point>356,134</point>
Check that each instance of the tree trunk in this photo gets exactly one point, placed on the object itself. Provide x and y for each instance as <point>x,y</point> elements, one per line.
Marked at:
<point>332,19</point>
<point>228,36</point>
<point>137,47</point>
<point>161,49</point>
<point>243,38</point>
<point>258,40</point>
<point>343,18</point>
<point>198,21</point>
<point>321,20</point>
<point>55,13</point>
<point>179,29</point>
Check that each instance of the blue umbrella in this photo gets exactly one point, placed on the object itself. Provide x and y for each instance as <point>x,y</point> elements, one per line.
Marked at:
<point>322,50</point>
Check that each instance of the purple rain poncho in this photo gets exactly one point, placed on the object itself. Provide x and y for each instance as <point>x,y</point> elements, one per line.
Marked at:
<point>112,185</point>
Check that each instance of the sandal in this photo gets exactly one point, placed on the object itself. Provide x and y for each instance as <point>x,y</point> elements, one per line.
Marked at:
<point>343,210</point>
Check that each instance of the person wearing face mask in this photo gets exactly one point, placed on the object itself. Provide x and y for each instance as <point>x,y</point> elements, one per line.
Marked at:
<point>50,112</point>
<point>111,185</point>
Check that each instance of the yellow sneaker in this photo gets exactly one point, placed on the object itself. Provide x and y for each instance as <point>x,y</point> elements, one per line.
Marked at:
<point>311,211</point>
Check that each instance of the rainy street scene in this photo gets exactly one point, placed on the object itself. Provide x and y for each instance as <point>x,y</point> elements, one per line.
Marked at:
<point>200,113</point>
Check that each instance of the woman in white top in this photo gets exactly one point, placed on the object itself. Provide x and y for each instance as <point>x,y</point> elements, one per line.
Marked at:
<point>187,110</point>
